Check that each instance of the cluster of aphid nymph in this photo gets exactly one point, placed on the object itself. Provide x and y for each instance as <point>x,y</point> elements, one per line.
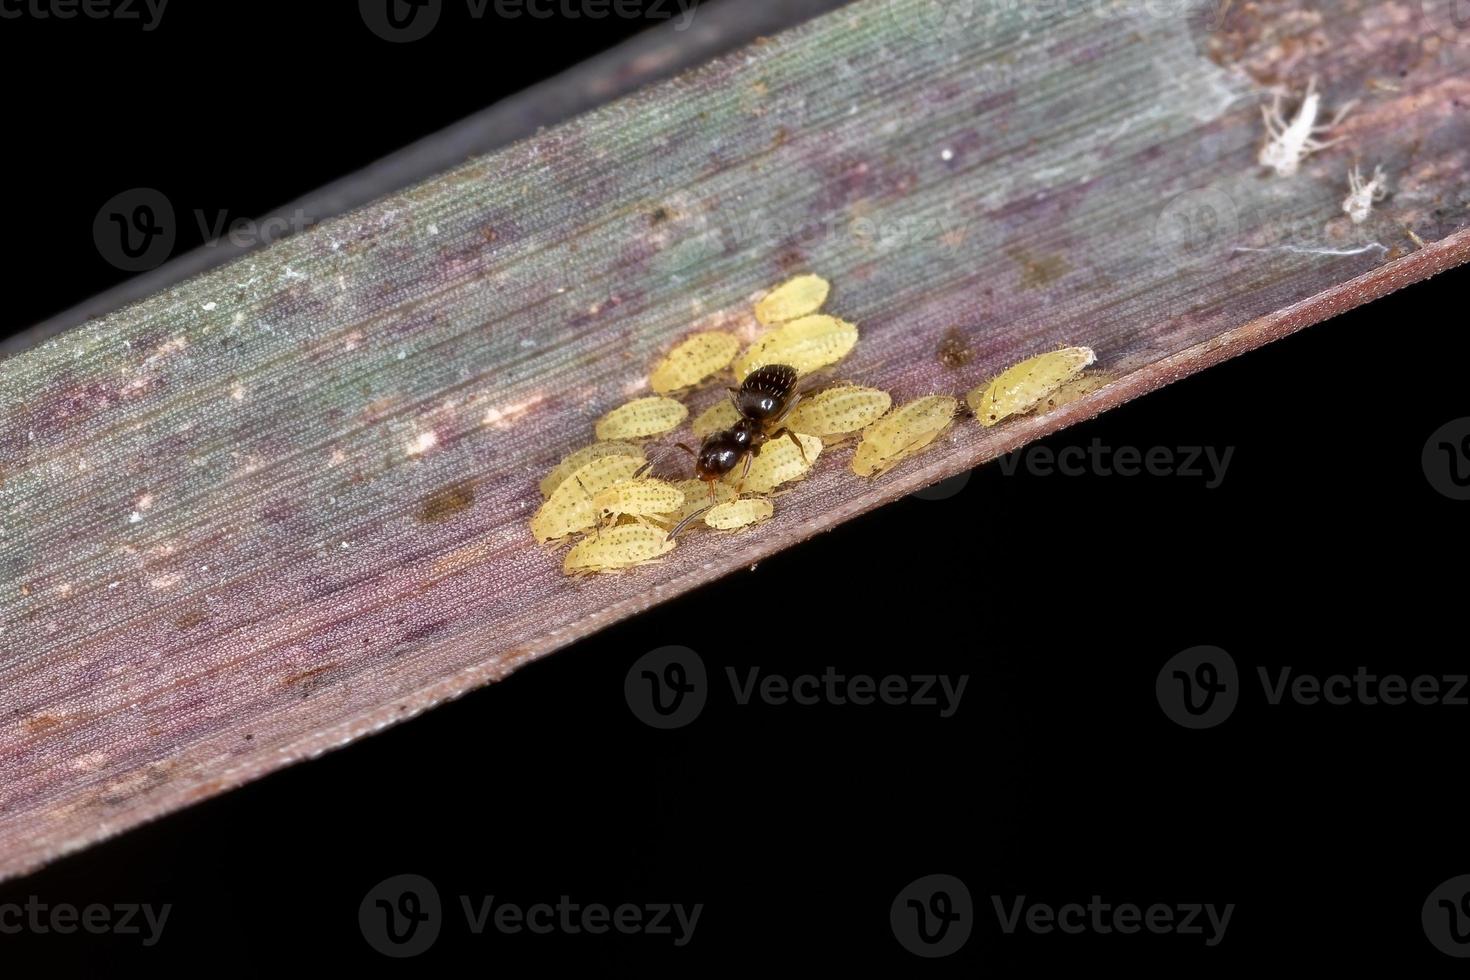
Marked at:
<point>769,432</point>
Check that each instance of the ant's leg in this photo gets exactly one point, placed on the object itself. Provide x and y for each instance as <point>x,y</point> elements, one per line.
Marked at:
<point>740,486</point>
<point>792,436</point>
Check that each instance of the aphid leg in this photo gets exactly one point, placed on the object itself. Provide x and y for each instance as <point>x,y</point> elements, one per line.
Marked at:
<point>1275,125</point>
<point>1341,114</point>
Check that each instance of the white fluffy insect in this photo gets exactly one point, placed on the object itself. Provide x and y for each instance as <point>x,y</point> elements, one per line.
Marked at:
<point>1289,143</point>
<point>1358,205</point>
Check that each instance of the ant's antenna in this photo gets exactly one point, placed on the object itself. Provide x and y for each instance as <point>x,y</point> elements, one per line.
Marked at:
<point>685,522</point>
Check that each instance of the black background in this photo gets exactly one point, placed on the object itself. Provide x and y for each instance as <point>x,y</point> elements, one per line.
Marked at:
<point>1060,598</point>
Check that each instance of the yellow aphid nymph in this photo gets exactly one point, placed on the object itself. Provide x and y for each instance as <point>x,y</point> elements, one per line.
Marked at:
<point>1020,388</point>
<point>718,417</point>
<point>638,498</point>
<point>806,344</point>
<point>839,410</point>
<point>584,456</point>
<point>780,461</point>
<point>641,418</point>
<point>696,496</point>
<point>694,359</point>
<point>616,548</point>
<point>739,513</point>
<point>569,509</point>
<point>902,433</point>
<point>793,298</point>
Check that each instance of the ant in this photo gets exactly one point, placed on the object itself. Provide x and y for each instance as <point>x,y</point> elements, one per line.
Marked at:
<point>764,399</point>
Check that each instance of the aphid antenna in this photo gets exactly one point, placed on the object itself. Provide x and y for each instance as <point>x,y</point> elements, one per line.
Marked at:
<point>597,526</point>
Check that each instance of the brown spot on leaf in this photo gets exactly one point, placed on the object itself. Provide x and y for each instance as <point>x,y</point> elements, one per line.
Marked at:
<point>1038,271</point>
<point>191,619</point>
<point>311,680</point>
<point>443,504</point>
<point>42,723</point>
<point>133,785</point>
<point>954,349</point>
